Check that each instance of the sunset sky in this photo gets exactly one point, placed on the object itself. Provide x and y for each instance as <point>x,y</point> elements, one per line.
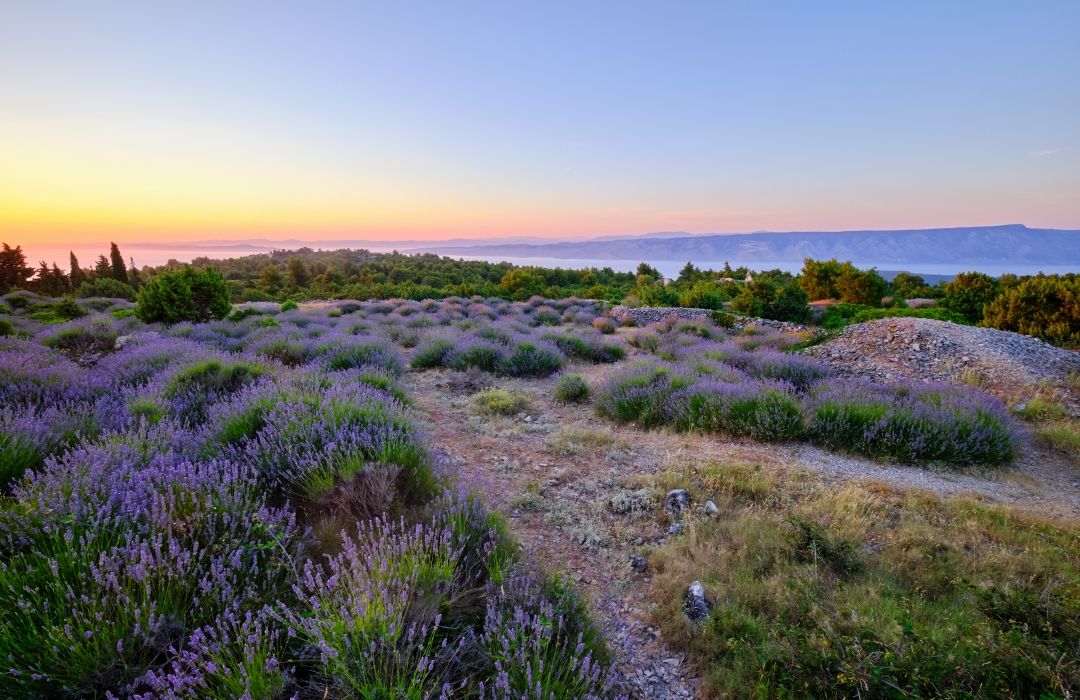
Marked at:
<point>137,121</point>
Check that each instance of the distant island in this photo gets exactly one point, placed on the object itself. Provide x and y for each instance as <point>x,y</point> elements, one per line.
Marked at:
<point>1013,244</point>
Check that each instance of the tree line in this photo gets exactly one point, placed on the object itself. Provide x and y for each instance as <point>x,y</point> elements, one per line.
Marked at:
<point>1040,305</point>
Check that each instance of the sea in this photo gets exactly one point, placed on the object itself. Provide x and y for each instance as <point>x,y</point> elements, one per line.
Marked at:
<point>159,254</point>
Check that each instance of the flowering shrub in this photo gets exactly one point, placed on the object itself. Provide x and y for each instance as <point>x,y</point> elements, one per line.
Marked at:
<point>528,359</point>
<point>571,388</point>
<point>765,411</point>
<point>911,422</point>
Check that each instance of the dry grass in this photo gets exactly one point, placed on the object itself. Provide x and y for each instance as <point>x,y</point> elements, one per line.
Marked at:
<point>571,440</point>
<point>866,590</point>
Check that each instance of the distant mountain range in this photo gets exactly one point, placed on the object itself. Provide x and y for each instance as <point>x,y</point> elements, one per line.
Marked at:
<point>1014,244</point>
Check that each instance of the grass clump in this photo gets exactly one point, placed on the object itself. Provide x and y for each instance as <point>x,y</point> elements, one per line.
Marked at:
<point>496,401</point>
<point>570,440</point>
<point>571,388</point>
<point>819,592</point>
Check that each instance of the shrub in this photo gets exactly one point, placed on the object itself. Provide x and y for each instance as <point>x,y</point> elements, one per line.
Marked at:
<point>970,293</point>
<point>431,353</point>
<point>153,548</point>
<point>530,359</point>
<point>96,336</point>
<point>571,388</point>
<point>365,354</point>
<point>640,394</point>
<point>105,287</point>
<point>497,401</point>
<point>290,305</point>
<point>183,294</point>
<point>472,352</point>
<point>604,324</point>
<point>912,423</point>
<point>194,388</point>
<point>1046,307</point>
<point>6,328</point>
<point>760,411</point>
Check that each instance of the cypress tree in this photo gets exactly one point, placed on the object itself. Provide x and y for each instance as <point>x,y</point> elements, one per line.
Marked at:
<point>117,267</point>
<point>77,274</point>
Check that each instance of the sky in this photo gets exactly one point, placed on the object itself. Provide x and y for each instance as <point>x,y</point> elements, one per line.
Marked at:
<point>181,121</point>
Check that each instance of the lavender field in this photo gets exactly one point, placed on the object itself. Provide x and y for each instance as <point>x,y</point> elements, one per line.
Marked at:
<point>250,508</point>
<point>247,508</point>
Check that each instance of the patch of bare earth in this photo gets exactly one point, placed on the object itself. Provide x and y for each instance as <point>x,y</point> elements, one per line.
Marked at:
<point>570,485</point>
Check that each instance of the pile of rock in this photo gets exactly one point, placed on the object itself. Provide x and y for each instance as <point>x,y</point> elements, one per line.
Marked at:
<point>644,315</point>
<point>1005,363</point>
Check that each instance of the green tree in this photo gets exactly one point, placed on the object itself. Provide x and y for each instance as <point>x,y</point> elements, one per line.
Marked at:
<point>689,273</point>
<point>970,293</point>
<point>1046,307</point>
<point>818,278</point>
<point>909,286</point>
<point>13,269</point>
<point>77,276</point>
<point>103,268</point>
<point>117,268</point>
<point>703,295</point>
<point>183,294</point>
<point>647,270</point>
<point>298,272</point>
<point>773,297</point>
<point>855,286</point>
<point>134,278</point>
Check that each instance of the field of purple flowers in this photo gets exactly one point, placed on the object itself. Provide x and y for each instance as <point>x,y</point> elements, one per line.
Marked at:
<point>246,508</point>
<point>706,378</point>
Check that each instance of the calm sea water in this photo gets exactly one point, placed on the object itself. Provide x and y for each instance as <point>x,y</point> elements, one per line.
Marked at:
<point>87,253</point>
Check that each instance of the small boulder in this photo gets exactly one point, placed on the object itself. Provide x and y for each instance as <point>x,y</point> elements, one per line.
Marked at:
<point>711,509</point>
<point>675,529</point>
<point>676,501</point>
<point>639,563</point>
<point>695,606</point>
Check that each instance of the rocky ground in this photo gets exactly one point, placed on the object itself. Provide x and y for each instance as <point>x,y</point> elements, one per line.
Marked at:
<point>574,487</point>
<point>1012,366</point>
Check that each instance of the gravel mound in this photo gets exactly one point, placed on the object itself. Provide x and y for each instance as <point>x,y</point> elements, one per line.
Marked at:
<point>1004,363</point>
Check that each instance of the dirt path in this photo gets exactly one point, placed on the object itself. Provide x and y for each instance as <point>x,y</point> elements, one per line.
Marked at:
<point>579,508</point>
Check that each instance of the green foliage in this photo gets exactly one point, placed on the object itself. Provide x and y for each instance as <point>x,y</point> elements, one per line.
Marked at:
<point>703,294</point>
<point>58,311</point>
<point>970,293</point>
<point>856,286</point>
<point>837,316</point>
<point>290,305</point>
<point>497,401</point>
<point>1047,307</point>
<point>830,279</point>
<point>908,286</point>
<point>431,354</point>
<point>571,388</point>
<point>769,297</point>
<point>211,376</point>
<point>6,328</point>
<point>183,294</point>
<point>105,287</point>
<point>13,270</point>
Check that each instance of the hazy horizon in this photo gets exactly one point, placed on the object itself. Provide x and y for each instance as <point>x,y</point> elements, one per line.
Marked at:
<point>170,122</point>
